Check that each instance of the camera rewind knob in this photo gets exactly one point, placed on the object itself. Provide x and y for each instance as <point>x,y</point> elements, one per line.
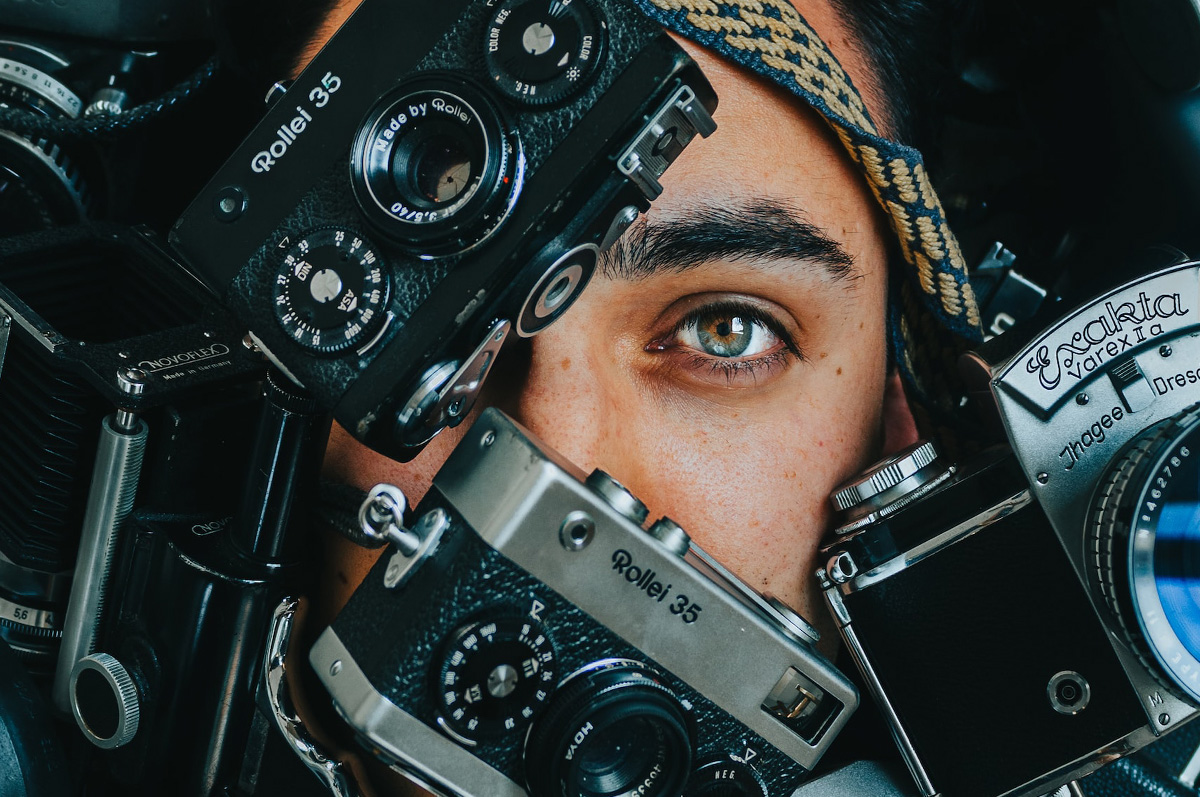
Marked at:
<point>889,485</point>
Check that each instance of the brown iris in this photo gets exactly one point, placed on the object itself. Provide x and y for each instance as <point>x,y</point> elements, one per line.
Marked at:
<point>724,334</point>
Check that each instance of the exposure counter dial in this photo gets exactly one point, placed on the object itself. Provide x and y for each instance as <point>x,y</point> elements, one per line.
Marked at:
<point>330,292</point>
<point>495,677</point>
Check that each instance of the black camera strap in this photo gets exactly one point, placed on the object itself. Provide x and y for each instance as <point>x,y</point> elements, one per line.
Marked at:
<point>108,126</point>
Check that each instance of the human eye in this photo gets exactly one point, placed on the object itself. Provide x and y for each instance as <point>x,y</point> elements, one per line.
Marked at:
<point>728,340</point>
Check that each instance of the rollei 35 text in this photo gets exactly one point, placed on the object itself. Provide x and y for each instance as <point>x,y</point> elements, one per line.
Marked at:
<point>647,581</point>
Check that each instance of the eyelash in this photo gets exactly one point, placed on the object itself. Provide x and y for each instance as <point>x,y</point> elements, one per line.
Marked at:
<point>728,367</point>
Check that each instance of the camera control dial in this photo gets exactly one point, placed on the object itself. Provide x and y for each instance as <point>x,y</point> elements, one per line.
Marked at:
<point>330,290</point>
<point>495,677</point>
<point>543,51</point>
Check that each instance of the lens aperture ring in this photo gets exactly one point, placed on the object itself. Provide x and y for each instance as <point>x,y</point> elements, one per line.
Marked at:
<point>435,166</point>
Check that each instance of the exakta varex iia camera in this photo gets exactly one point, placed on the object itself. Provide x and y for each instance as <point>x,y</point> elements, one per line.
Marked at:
<point>438,176</point>
<point>530,635</point>
<point>1039,601</point>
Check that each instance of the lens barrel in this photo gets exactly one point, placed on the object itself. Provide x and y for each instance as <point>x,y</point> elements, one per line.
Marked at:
<point>1146,537</point>
<point>434,167</point>
<point>40,187</point>
<point>613,729</point>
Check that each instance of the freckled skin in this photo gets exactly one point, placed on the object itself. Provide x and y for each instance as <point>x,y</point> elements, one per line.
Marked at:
<point>746,468</point>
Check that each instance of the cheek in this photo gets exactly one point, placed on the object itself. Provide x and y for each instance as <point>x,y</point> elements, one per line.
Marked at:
<point>752,492</point>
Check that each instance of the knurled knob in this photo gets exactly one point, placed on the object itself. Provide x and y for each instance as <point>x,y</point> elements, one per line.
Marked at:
<point>873,483</point>
<point>104,701</point>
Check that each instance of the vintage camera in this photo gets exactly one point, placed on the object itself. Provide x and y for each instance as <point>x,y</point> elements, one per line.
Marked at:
<point>529,632</point>
<point>88,98</point>
<point>1039,600</point>
<point>438,176</point>
<point>153,509</point>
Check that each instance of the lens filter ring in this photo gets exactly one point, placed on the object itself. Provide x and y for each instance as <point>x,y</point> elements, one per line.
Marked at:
<point>1146,536</point>
<point>434,166</point>
<point>613,729</point>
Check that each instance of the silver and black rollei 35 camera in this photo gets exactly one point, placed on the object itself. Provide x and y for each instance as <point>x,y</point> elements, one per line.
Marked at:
<point>529,633</point>
<point>1040,605</point>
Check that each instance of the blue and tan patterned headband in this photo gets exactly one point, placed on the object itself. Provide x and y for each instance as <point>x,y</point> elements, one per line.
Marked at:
<point>934,313</point>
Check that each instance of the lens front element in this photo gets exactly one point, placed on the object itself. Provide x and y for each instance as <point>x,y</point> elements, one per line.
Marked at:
<point>433,166</point>
<point>613,729</point>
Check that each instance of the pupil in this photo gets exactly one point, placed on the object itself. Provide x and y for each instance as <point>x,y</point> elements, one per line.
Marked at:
<point>725,336</point>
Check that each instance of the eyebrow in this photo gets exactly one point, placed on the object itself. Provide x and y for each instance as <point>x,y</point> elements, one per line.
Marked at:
<point>761,229</point>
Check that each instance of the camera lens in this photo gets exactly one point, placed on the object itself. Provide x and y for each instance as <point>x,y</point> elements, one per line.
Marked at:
<point>434,167</point>
<point>613,729</point>
<point>619,755</point>
<point>1146,536</point>
<point>441,168</point>
<point>39,186</point>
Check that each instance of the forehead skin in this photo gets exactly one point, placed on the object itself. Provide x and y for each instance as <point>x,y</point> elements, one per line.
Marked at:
<point>745,468</point>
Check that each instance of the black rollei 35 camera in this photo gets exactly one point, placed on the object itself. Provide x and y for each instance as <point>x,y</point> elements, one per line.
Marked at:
<point>1040,603</point>
<point>440,175</point>
<point>529,632</point>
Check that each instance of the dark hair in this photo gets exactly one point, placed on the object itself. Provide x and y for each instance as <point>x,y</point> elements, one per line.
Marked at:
<point>906,43</point>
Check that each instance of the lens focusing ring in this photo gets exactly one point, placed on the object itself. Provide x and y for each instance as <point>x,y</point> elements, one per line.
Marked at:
<point>1136,538</point>
<point>613,728</point>
<point>434,166</point>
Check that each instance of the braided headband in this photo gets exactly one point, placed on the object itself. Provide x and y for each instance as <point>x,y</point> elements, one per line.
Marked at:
<point>933,310</point>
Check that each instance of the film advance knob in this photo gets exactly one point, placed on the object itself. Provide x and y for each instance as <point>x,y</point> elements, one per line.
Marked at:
<point>889,485</point>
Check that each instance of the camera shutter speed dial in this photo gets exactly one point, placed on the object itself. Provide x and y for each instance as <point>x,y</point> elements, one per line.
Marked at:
<point>542,51</point>
<point>330,291</point>
<point>495,677</point>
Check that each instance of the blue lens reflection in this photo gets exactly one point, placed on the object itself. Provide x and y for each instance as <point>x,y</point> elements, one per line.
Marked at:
<point>1177,557</point>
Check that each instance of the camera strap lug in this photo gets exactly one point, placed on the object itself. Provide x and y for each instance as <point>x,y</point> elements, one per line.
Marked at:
<point>382,518</point>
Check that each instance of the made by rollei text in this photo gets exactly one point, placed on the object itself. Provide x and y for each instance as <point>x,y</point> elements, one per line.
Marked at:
<point>1116,329</point>
<point>288,133</point>
<point>646,580</point>
<point>413,111</point>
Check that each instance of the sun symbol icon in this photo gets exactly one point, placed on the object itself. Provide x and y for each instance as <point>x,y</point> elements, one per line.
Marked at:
<point>573,74</point>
